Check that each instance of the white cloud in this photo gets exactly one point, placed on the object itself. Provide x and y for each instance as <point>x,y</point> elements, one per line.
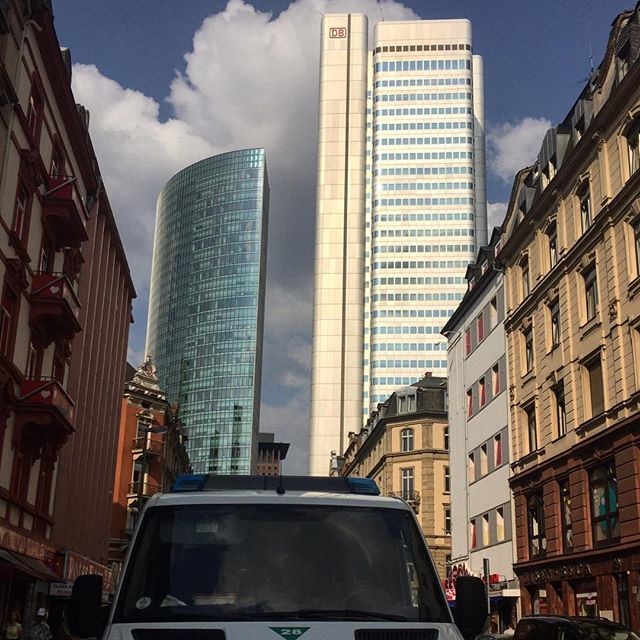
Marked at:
<point>513,146</point>
<point>496,212</point>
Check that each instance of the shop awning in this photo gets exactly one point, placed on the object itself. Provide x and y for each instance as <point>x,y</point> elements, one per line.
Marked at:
<point>27,565</point>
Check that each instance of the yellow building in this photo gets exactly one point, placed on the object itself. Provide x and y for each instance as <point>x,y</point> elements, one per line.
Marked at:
<point>571,253</point>
<point>404,447</point>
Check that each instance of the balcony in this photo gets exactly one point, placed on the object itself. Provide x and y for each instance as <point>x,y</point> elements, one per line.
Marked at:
<point>154,447</point>
<point>44,408</point>
<point>63,212</point>
<point>54,306</point>
<point>412,498</point>
<point>148,488</point>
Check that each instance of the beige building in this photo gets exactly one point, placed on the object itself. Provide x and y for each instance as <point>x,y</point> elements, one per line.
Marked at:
<point>571,253</point>
<point>404,447</point>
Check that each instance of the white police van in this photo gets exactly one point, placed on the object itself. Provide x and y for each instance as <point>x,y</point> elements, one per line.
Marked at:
<point>258,558</point>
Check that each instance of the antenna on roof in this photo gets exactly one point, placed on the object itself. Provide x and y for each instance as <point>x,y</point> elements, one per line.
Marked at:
<point>590,56</point>
<point>381,13</point>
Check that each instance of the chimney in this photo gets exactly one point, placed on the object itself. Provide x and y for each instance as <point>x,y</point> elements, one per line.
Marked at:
<point>428,374</point>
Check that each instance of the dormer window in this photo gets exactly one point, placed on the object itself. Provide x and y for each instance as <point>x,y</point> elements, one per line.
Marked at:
<point>579,128</point>
<point>407,403</point>
<point>484,267</point>
<point>623,61</point>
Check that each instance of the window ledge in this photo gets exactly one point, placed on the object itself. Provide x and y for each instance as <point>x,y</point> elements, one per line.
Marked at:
<point>528,375</point>
<point>553,348</point>
<point>589,326</point>
<point>527,458</point>
<point>634,287</point>
<point>590,423</point>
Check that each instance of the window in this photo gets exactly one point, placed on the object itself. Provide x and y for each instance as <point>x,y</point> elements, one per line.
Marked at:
<point>554,317</point>
<point>532,429</point>
<point>493,313</point>
<point>471,468</point>
<point>535,526</point>
<point>407,404</point>
<point>35,114</point>
<point>636,245</point>
<point>8,321</point>
<point>469,403</point>
<point>561,410</point>
<point>474,537</point>
<point>59,362</point>
<point>447,520</point>
<point>47,255</point>
<point>500,535</point>
<point>484,460</point>
<point>590,291</point>
<point>495,379</point>
<point>486,540</point>
<point>407,483</point>
<point>552,239</point>
<point>480,328</point>
<point>497,450</point>
<point>595,386</point>
<point>633,144</point>
<point>566,517</point>
<point>482,392</point>
<point>524,277</point>
<point>446,438</point>
<point>57,161</point>
<point>406,437</point>
<point>34,356</point>
<point>21,212</point>
<point>447,480</point>
<point>527,336</point>
<point>467,341</point>
<point>604,504</point>
<point>584,198</point>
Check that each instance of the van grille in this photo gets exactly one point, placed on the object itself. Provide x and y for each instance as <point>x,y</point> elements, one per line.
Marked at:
<point>396,634</point>
<point>178,634</point>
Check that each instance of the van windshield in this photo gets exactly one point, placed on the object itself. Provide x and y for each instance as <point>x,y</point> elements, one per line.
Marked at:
<point>271,561</point>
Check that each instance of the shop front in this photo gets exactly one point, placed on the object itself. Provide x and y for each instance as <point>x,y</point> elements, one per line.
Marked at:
<point>26,570</point>
<point>602,584</point>
<point>72,566</point>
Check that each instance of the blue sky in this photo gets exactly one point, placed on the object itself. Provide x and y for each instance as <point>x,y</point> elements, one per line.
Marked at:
<point>169,82</point>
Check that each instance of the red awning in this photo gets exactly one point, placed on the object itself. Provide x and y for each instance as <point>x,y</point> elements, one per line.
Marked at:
<point>27,565</point>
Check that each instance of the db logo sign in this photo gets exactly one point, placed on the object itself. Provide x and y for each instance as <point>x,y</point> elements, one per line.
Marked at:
<point>338,32</point>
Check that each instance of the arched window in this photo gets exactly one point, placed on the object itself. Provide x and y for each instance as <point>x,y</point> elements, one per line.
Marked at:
<point>406,437</point>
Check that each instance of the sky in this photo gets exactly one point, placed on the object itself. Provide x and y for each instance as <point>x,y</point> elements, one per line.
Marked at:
<point>169,82</point>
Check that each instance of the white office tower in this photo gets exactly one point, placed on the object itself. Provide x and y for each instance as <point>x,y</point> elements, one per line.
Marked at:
<point>336,388</point>
<point>424,210</point>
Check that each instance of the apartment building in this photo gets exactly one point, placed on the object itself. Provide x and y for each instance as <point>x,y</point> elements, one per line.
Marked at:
<point>482,526</point>
<point>61,266</point>
<point>404,447</point>
<point>401,162</point>
<point>571,254</point>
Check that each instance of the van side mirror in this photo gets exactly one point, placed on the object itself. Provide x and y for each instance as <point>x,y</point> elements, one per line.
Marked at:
<point>470,613</point>
<point>85,615</point>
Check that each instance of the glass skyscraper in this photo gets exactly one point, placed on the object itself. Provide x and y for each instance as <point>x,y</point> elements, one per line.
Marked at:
<point>206,307</point>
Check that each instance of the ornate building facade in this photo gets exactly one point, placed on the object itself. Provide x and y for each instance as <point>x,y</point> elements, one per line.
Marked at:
<point>571,254</point>
<point>151,453</point>
<point>404,447</point>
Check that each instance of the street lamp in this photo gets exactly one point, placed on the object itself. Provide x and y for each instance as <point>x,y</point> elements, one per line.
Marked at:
<point>143,462</point>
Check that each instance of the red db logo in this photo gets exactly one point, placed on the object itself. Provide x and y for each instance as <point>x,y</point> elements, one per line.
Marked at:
<point>338,32</point>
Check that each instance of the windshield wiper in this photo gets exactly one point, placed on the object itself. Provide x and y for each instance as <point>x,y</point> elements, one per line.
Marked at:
<point>322,614</point>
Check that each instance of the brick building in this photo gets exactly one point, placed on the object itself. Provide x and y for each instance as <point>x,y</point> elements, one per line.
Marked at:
<point>64,316</point>
<point>270,455</point>
<point>404,447</point>
<point>571,253</point>
<point>151,453</point>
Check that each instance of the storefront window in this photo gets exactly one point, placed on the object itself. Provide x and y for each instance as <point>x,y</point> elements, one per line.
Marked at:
<point>604,504</point>
<point>535,518</point>
<point>586,599</point>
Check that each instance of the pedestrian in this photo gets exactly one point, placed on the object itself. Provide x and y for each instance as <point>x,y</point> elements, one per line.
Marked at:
<point>39,629</point>
<point>13,629</point>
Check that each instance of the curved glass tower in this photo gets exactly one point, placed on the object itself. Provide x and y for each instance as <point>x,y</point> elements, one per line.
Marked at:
<point>206,306</point>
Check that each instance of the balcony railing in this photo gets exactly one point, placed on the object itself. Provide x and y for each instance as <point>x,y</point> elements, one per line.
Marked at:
<point>54,306</point>
<point>148,488</point>
<point>45,405</point>
<point>64,212</point>
<point>410,497</point>
<point>155,446</point>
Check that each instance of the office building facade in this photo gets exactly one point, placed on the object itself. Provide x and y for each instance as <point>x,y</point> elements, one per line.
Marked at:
<point>401,179</point>
<point>206,307</point>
